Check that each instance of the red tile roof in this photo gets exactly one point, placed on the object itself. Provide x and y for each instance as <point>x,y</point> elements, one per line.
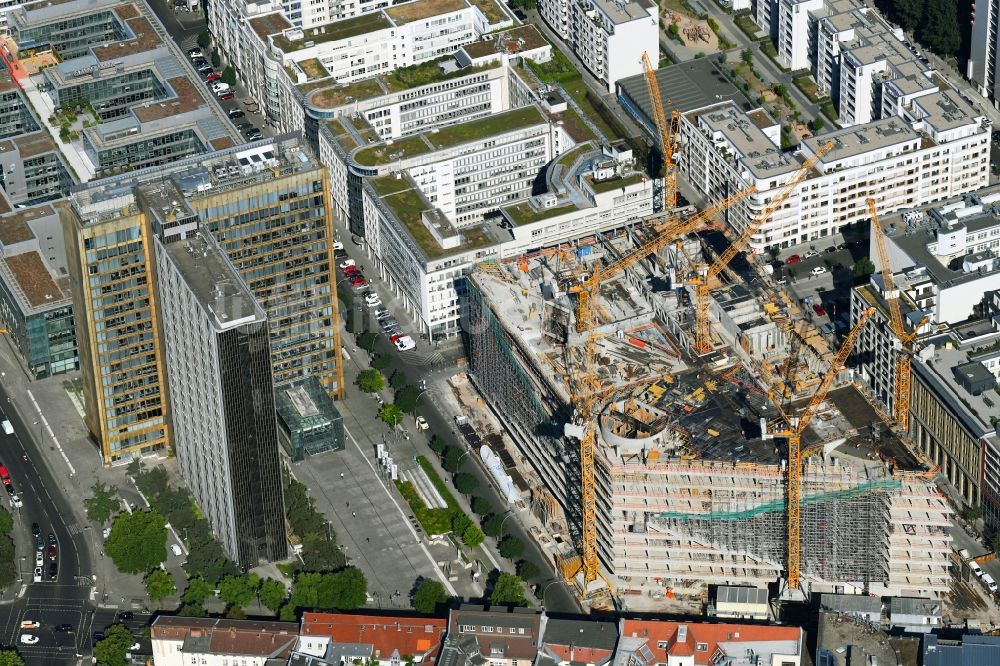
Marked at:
<point>711,635</point>
<point>239,637</point>
<point>415,636</point>
<point>580,654</point>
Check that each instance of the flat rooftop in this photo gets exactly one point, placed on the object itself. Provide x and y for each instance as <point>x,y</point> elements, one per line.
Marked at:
<point>446,137</point>
<point>852,141</point>
<point>624,12</point>
<point>512,41</point>
<point>35,281</point>
<point>946,110</point>
<point>406,203</point>
<point>14,227</point>
<point>692,85</point>
<point>332,32</point>
<point>974,411</point>
<point>214,282</point>
<point>418,10</point>
<point>145,39</point>
<point>754,148</point>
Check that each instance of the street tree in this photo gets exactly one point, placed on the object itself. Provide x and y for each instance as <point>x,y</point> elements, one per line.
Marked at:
<point>103,504</point>
<point>159,584</point>
<point>321,554</point>
<point>481,506</point>
<point>399,380</point>
<point>428,596</point>
<point>197,592</point>
<point>451,459</point>
<point>10,658</point>
<point>939,28</point>
<point>508,591</point>
<point>493,525</point>
<point>391,414</point>
<point>465,483</point>
<point>526,570</point>
<point>110,650</point>
<point>747,56</point>
<point>371,381</point>
<point>367,340</point>
<point>863,268</point>
<point>138,541</point>
<point>438,444</point>
<point>511,547</point>
<point>239,590</point>
<point>407,398</point>
<point>472,536</point>
<point>192,610</point>
<point>342,590</point>
<point>459,523</point>
<point>272,594</point>
<point>381,362</point>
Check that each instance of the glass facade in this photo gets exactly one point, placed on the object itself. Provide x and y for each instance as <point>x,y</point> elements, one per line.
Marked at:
<point>15,117</point>
<point>254,463</point>
<point>145,152</point>
<point>308,421</point>
<point>111,96</point>
<point>69,37</point>
<point>45,340</point>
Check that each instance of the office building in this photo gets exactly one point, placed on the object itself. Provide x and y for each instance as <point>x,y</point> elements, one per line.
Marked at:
<point>945,267</point>
<point>267,204</point>
<point>15,114</point>
<point>35,304</point>
<point>108,75</point>
<point>33,169</point>
<point>937,149</point>
<point>215,343</point>
<point>609,37</point>
<point>274,55</point>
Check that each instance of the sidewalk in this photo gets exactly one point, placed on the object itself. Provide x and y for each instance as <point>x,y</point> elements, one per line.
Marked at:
<point>80,465</point>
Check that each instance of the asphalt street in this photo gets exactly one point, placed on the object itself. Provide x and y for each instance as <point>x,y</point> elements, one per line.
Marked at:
<point>435,367</point>
<point>51,602</point>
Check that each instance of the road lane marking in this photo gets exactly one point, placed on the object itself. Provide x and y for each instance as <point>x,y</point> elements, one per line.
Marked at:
<point>55,441</point>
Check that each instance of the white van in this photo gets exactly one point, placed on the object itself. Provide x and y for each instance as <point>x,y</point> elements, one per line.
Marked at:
<point>976,569</point>
<point>8,428</point>
<point>990,583</point>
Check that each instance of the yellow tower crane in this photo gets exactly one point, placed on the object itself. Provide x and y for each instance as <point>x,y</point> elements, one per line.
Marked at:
<point>904,348</point>
<point>666,132</point>
<point>792,432</point>
<point>666,233</point>
<point>703,282</point>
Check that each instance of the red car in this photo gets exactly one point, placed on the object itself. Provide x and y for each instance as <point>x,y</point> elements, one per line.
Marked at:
<point>818,309</point>
<point>358,282</point>
<point>794,259</point>
<point>214,76</point>
<point>350,270</point>
<point>396,336</point>
<point>52,553</point>
<point>227,97</point>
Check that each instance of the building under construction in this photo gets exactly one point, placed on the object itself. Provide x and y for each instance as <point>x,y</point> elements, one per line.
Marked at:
<point>688,492</point>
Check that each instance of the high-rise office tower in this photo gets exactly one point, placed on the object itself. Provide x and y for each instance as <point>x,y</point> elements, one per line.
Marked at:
<point>267,205</point>
<point>218,368</point>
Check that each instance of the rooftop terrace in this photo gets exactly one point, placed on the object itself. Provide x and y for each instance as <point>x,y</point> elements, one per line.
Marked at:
<point>422,9</point>
<point>446,137</point>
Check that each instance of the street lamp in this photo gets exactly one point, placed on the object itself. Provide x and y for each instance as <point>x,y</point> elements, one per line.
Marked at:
<point>510,512</point>
<point>541,596</point>
<point>372,345</point>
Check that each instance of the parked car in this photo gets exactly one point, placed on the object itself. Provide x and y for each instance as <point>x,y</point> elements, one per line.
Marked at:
<point>39,558</point>
<point>37,577</point>
<point>810,254</point>
<point>205,70</point>
<point>35,529</point>
<point>53,570</point>
<point>52,539</point>
<point>818,270</point>
<point>344,264</point>
<point>253,134</point>
<point>227,97</point>
<point>794,259</point>
<point>372,301</point>
<point>39,543</point>
<point>29,639</point>
<point>16,501</point>
<point>219,87</point>
<point>243,126</point>
<point>235,114</point>
<point>405,343</point>
<point>53,553</point>
<point>195,53</point>
<point>819,310</point>
<point>830,250</point>
<point>422,423</point>
<point>214,76</point>
<point>991,584</point>
<point>198,63</point>
<point>29,624</point>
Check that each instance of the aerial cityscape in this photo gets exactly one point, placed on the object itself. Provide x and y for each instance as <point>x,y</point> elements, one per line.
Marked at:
<point>500,333</point>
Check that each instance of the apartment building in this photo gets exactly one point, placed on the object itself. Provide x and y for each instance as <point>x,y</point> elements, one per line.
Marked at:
<point>424,256</point>
<point>794,34</point>
<point>945,267</point>
<point>215,342</point>
<point>267,206</point>
<point>118,83</point>
<point>501,637</point>
<point>181,641</point>
<point>981,67</point>
<point>566,640</point>
<point>35,303</point>
<point>938,148</point>
<point>650,642</point>
<point>274,56</point>
<point>377,640</point>
<point>608,36</point>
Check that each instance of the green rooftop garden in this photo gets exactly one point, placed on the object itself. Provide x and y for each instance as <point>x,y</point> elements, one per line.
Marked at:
<point>615,183</point>
<point>490,10</point>
<point>451,135</point>
<point>422,9</point>
<point>331,98</point>
<point>575,127</point>
<point>523,213</point>
<point>352,27</point>
<point>406,203</point>
<point>566,159</point>
<point>313,68</point>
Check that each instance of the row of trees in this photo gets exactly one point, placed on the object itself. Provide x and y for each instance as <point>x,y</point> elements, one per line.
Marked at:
<point>8,570</point>
<point>935,23</point>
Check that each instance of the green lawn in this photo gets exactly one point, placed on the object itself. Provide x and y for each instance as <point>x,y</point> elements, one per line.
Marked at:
<point>746,24</point>
<point>557,70</point>
<point>808,87</point>
<point>523,213</point>
<point>615,183</point>
<point>578,91</point>
<point>352,27</point>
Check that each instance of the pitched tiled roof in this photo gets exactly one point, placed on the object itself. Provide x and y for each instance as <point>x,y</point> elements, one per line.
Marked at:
<point>230,637</point>
<point>414,636</point>
<point>679,638</point>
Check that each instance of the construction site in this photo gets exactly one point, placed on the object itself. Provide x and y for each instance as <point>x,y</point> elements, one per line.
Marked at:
<point>677,405</point>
